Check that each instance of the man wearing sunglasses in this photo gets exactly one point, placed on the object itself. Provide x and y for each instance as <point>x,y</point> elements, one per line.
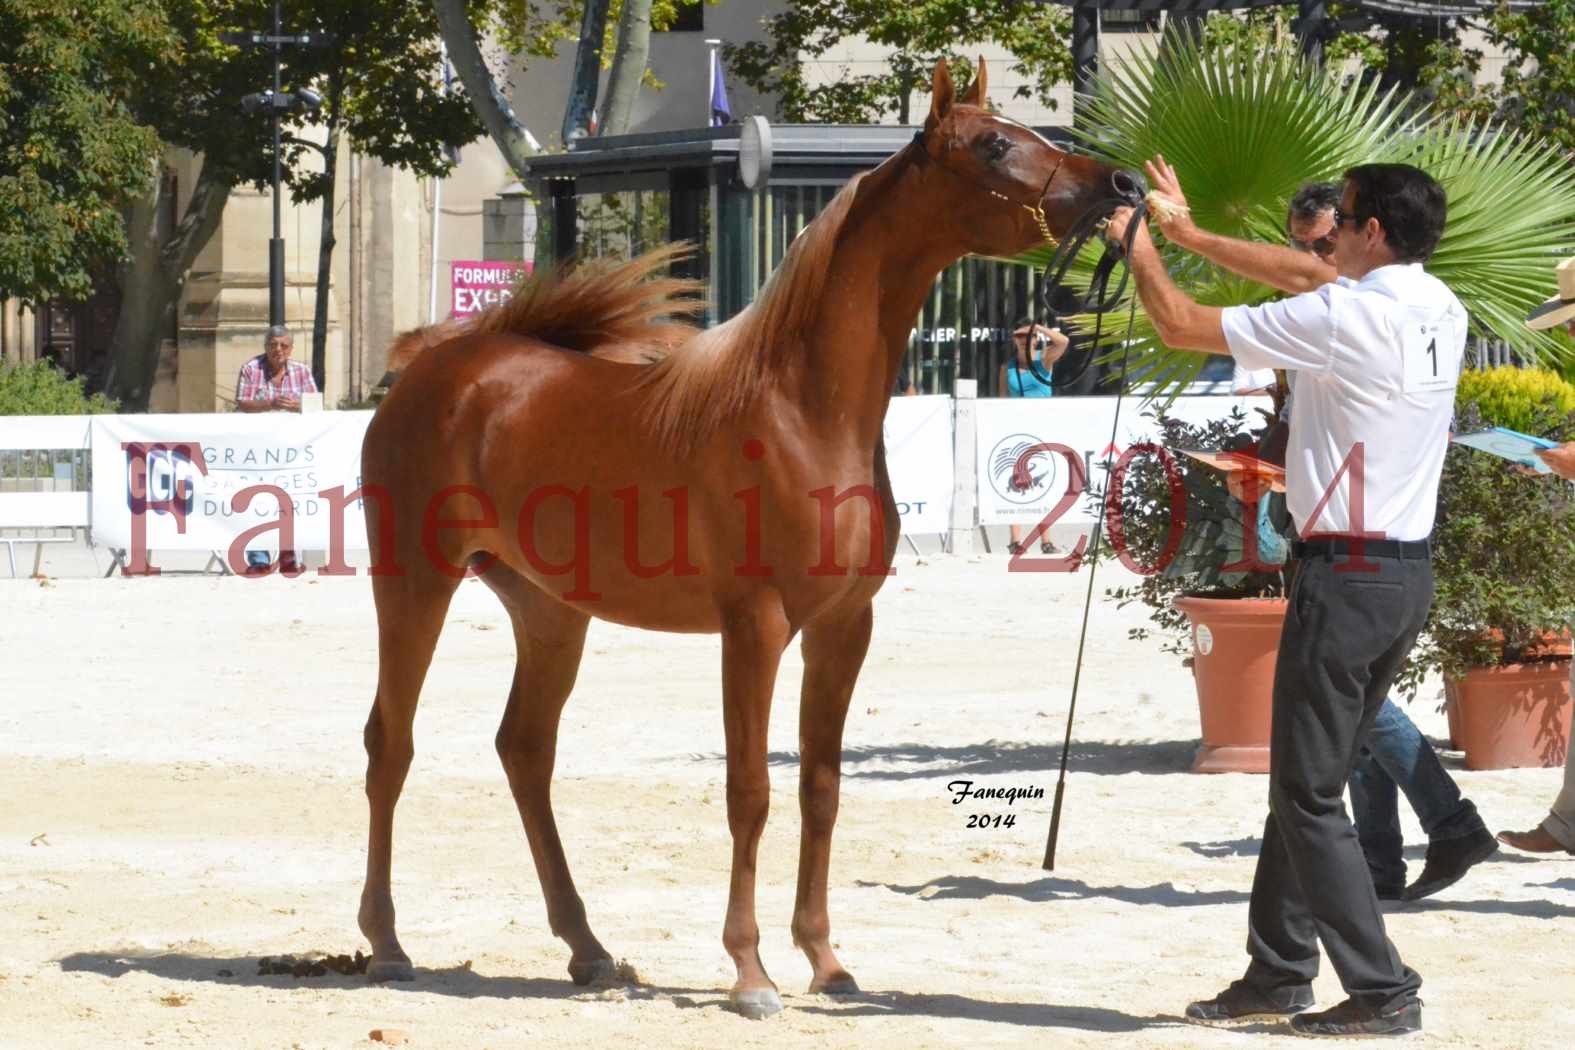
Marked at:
<point>1377,355</point>
<point>1396,758</point>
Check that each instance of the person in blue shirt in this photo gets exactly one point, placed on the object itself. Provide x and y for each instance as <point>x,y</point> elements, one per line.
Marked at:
<point>1019,378</point>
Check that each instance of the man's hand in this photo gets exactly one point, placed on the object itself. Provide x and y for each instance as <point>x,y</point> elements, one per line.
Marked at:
<point>1120,222</point>
<point>1560,460</point>
<point>1163,181</point>
<point>286,403</point>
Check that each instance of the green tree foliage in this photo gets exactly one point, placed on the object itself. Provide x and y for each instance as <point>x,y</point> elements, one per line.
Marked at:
<point>381,81</point>
<point>1538,90</point>
<point>71,152</point>
<point>919,34</point>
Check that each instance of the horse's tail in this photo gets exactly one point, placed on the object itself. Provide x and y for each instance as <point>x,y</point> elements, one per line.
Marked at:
<point>606,307</point>
<point>412,344</point>
<point>592,304</point>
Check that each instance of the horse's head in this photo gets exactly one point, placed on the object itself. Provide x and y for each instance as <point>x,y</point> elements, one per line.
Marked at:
<point>1009,177</point>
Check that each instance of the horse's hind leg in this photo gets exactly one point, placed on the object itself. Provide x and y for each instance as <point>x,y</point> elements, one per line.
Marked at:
<point>833,654</point>
<point>752,644</point>
<point>410,610</point>
<point>550,639</point>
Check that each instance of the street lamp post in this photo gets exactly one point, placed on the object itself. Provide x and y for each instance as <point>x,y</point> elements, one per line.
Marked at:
<point>277,103</point>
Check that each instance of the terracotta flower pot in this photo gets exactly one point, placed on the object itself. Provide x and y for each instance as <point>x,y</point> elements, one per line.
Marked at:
<point>1234,642</point>
<point>1513,716</point>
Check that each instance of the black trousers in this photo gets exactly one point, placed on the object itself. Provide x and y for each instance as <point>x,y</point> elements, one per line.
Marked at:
<point>1345,636</point>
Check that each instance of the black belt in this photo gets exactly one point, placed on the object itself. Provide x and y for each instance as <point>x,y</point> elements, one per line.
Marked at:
<point>1334,546</point>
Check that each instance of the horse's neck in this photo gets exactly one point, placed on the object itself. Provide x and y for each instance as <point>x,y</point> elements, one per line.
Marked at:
<point>883,269</point>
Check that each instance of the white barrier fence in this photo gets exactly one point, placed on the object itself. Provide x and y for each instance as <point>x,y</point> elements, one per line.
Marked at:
<point>205,482</point>
<point>202,482</point>
<point>1008,427</point>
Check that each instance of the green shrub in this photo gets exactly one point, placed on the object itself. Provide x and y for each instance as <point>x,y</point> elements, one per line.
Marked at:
<point>41,389</point>
<point>1515,397</point>
<point>1503,543</point>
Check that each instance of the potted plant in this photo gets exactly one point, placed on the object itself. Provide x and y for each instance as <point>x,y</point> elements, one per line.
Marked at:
<point>1504,572</point>
<point>1225,622</point>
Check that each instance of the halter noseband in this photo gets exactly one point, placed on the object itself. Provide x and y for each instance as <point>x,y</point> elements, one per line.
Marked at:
<point>1035,209</point>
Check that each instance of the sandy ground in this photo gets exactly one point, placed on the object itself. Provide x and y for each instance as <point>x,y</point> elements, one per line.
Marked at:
<point>180,795</point>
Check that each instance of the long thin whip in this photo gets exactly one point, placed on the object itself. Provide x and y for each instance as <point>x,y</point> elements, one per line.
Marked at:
<point>1093,560</point>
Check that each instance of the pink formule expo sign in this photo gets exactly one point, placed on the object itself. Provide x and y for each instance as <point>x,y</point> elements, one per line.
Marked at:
<point>478,285</point>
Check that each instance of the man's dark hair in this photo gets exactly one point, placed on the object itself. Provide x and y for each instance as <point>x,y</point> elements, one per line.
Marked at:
<point>1407,202</point>
<point>1311,200</point>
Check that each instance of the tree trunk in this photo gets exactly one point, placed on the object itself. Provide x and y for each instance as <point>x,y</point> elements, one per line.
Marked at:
<point>152,279</point>
<point>587,71</point>
<point>628,69</point>
<point>497,116</point>
<point>325,239</point>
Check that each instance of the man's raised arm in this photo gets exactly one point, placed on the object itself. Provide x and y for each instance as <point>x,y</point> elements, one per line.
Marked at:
<point>1275,265</point>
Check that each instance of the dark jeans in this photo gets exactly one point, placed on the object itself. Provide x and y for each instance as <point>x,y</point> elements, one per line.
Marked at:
<point>1344,638</point>
<point>1397,758</point>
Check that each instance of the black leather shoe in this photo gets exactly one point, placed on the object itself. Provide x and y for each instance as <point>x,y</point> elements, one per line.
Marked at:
<point>1351,1020</point>
<point>1242,1003</point>
<point>1449,860</point>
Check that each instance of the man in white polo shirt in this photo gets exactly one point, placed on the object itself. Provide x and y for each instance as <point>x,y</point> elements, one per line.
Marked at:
<point>1376,356</point>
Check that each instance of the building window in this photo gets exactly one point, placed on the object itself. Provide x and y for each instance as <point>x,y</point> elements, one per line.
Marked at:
<point>690,18</point>
<point>1129,21</point>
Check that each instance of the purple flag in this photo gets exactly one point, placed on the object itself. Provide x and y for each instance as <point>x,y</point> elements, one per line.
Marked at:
<point>721,112</point>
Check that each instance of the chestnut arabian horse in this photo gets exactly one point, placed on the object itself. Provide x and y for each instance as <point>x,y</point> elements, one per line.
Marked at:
<point>586,456</point>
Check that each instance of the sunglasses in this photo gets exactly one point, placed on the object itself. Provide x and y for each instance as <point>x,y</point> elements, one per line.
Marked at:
<point>1322,246</point>
<point>1341,217</point>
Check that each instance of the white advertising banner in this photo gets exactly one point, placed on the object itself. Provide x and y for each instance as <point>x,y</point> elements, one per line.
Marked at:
<point>1010,427</point>
<point>918,435</point>
<point>198,482</point>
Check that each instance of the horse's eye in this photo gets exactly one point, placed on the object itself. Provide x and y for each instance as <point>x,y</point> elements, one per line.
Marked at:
<point>999,144</point>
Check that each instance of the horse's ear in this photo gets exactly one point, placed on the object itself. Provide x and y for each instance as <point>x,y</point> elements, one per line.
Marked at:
<point>974,94</point>
<point>942,93</point>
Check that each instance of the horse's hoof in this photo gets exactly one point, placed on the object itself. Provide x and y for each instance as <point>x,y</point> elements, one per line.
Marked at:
<point>583,973</point>
<point>379,970</point>
<point>839,984</point>
<point>757,1004</point>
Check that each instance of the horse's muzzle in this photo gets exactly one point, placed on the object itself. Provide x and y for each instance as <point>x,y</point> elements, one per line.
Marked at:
<point>1130,187</point>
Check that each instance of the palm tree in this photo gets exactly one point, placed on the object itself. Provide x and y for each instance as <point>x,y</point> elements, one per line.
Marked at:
<point>1245,126</point>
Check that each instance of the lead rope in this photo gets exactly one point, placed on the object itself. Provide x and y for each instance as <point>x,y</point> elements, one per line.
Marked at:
<point>1093,559</point>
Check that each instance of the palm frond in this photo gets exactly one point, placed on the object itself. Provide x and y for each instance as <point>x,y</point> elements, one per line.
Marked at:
<point>1511,217</point>
<point>1245,128</point>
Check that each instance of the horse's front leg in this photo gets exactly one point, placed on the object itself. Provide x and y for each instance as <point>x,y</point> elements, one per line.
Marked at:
<point>833,654</point>
<point>752,642</point>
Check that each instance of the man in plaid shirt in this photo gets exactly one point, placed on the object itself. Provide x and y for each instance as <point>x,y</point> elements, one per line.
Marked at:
<point>272,382</point>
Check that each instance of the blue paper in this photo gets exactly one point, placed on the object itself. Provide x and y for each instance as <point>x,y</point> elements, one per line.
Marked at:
<point>1509,444</point>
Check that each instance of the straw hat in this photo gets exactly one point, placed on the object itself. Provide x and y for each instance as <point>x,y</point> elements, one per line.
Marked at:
<point>1560,308</point>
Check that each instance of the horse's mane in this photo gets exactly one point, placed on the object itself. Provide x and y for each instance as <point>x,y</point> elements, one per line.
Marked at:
<point>720,372</point>
<point>696,379</point>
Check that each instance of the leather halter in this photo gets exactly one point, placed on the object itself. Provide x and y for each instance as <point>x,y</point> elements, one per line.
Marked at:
<point>1035,209</point>
<point>1098,300</point>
